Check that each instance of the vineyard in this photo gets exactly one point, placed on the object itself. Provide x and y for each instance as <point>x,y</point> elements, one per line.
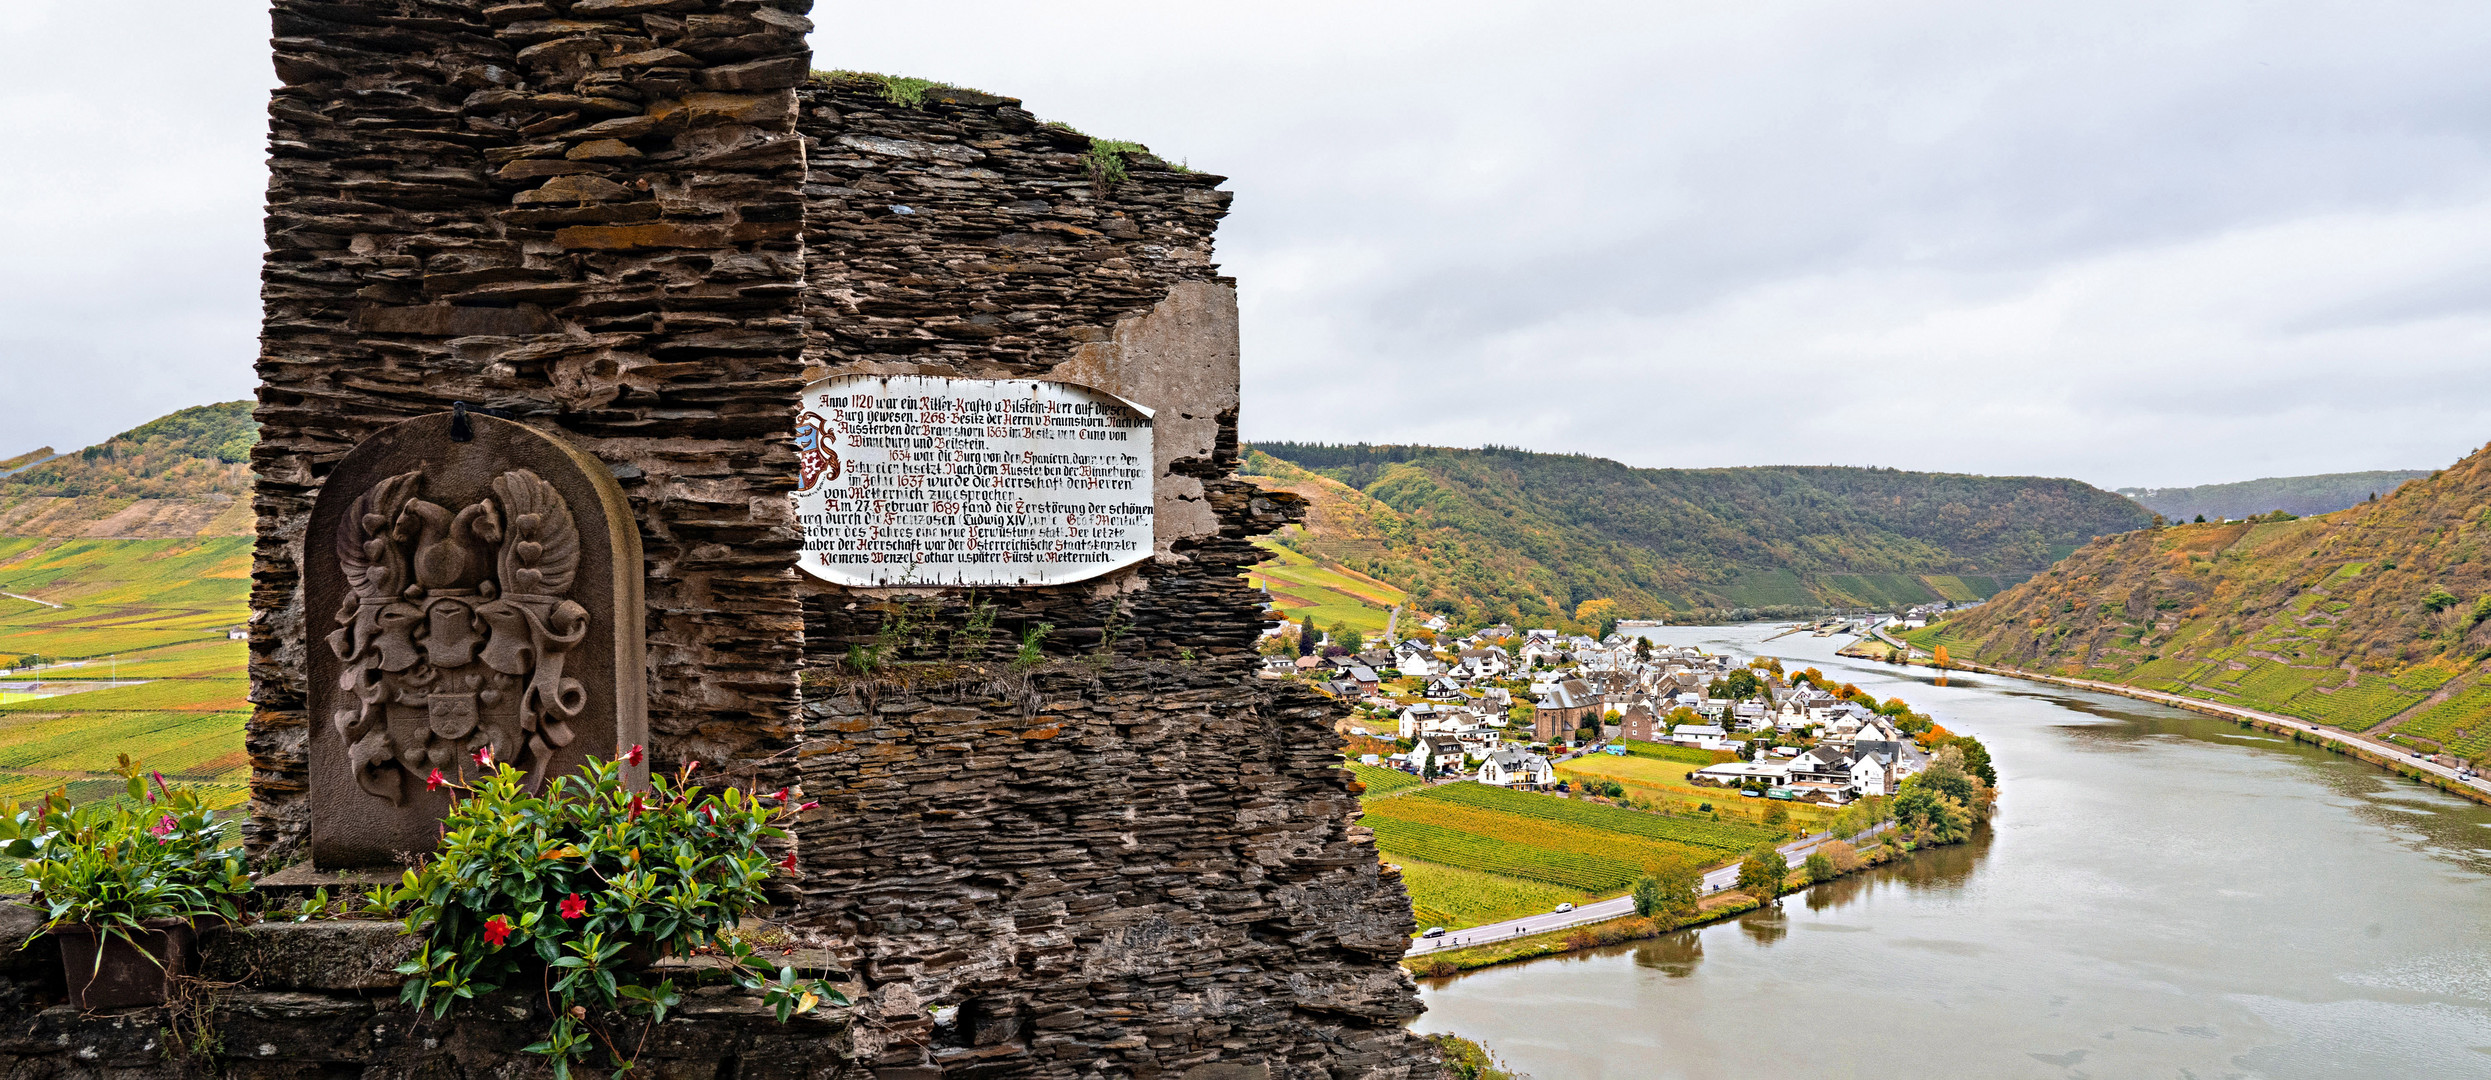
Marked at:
<point>151,614</point>
<point>1687,754</point>
<point>1723,837</point>
<point>1457,898</point>
<point>120,596</point>
<point>1510,854</point>
<point>1383,781</point>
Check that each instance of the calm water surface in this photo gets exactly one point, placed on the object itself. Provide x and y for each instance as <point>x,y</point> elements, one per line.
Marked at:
<point>2162,895</point>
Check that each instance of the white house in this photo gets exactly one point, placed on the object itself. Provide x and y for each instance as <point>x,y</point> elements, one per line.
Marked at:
<point>1443,752</point>
<point>1487,663</point>
<point>1414,659</point>
<point>1736,773</point>
<point>1516,769</point>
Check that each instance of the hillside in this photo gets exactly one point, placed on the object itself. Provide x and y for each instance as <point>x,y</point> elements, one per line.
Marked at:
<point>183,475</point>
<point>2302,495</point>
<point>126,565</point>
<point>1489,535</point>
<point>2373,618</point>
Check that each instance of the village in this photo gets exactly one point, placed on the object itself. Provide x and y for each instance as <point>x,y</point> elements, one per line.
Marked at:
<point>1503,706</point>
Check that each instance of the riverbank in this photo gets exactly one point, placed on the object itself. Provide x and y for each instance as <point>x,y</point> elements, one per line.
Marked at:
<point>1617,929</point>
<point>2219,900</point>
<point>2335,740</point>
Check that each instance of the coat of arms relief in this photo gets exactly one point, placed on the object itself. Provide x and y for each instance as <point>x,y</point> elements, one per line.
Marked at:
<point>454,631</point>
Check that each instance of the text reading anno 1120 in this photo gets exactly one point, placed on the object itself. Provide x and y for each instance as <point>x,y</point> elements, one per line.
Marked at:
<point>925,480</point>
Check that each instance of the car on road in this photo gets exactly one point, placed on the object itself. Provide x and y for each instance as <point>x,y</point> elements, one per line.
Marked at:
<point>1563,908</point>
<point>1433,932</point>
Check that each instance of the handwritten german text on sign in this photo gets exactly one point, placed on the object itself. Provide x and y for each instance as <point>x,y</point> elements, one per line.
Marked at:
<point>924,480</point>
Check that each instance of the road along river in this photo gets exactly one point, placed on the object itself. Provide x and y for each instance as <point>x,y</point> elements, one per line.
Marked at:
<point>2163,895</point>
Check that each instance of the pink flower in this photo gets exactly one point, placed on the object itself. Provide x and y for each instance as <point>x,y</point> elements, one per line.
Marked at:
<point>807,806</point>
<point>484,756</point>
<point>164,827</point>
<point>781,797</point>
<point>497,930</point>
<point>635,755</point>
<point>434,782</point>
<point>573,907</point>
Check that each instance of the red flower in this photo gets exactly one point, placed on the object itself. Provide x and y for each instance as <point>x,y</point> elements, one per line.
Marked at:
<point>689,766</point>
<point>164,827</point>
<point>573,907</point>
<point>497,930</point>
<point>635,755</point>
<point>484,756</point>
<point>434,782</point>
<point>781,797</point>
<point>636,807</point>
<point>788,863</point>
<point>807,806</point>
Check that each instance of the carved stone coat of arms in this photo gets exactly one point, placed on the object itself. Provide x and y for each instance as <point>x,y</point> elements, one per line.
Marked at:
<point>471,584</point>
<point>454,636</point>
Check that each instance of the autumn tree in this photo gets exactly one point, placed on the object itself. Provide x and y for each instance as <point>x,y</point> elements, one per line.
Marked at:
<point>1940,658</point>
<point>1762,874</point>
<point>1647,896</point>
<point>1597,617</point>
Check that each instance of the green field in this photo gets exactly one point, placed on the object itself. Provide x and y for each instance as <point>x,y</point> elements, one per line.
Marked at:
<point>153,610</point>
<point>1474,854</point>
<point>1662,751</point>
<point>1301,586</point>
<point>1455,898</point>
<point>1723,837</point>
<point>1383,781</point>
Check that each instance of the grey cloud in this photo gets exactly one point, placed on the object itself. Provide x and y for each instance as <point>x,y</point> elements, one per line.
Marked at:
<point>2124,241</point>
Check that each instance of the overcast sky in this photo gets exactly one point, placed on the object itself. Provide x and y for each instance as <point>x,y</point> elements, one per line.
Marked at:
<point>2133,243</point>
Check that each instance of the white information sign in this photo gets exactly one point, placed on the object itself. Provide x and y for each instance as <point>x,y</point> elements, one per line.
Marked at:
<point>925,480</point>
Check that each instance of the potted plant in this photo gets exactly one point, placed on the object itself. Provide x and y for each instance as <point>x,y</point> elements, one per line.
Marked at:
<point>124,882</point>
<point>570,893</point>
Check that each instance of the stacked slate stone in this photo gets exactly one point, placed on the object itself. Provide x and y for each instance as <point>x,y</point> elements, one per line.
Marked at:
<point>586,215</point>
<point>1132,863</point>
<point>640,224</point>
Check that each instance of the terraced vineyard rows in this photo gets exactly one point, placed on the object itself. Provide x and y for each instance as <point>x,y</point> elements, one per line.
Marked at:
<point>1717,835</point>
<point>1506,856</point>
<point>1457,898</point>
<point>1383,781</point>
<point>160,607</point>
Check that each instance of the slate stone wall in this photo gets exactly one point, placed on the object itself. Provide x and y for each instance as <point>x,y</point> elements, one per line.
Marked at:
<point>587,215</point>
<point>635,222</point>
<point>1132,857</point>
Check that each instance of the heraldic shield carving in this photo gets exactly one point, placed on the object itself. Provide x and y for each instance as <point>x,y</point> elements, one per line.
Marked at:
<point>478,594</point>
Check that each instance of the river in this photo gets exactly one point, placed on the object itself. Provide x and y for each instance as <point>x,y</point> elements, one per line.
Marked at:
<point>2162,895</point>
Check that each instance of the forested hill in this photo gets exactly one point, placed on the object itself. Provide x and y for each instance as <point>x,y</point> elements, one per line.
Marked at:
<point>184,474</point>
<point>2302,495</point>
<point>2378,616</point>
<point>1495,534</point>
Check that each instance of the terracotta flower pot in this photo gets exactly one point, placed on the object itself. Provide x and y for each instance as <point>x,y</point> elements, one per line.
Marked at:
<point>133,970</point>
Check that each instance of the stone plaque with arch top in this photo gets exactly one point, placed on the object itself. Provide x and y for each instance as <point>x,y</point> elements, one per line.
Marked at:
<point>474,591</point>
<point>923,480</point>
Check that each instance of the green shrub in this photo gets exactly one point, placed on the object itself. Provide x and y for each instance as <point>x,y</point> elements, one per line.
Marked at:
<point>117,864</point>
<point>563,887</point>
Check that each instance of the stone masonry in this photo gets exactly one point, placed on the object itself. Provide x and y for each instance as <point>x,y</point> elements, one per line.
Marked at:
<point>1065,831</point>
